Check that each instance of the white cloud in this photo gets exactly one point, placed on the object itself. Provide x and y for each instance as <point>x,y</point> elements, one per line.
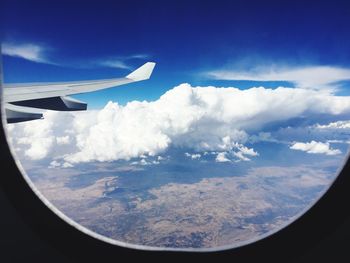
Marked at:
<point>39,138</point>
<point>193,156</point>
<point>28,51</point>
<point>115,63</point>
<point>335,141</point>
<point>63,140</point>
<point>335,125</point>
<point>144,162</point>
<point>139,56</point>
<point>67,165</point>
<point>332,132</point>
<point>246,151</point>
<point>201,119</point>
<point>314,77</point>
<point>221,158</point>
<point>235,149</point>
<point>243,152</point>
<point>120,61</point>
<point>315,147</point>
<point>241,156</point>
<point>54,164</point>
<point>39,53</point>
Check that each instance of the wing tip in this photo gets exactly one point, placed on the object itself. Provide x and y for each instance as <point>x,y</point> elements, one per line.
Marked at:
<point>142,73</point>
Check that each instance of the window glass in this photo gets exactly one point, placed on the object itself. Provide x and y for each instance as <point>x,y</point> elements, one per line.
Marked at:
<point>226,122</point>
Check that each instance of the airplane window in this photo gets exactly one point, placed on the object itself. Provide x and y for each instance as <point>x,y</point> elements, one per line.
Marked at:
<point>191,126</point>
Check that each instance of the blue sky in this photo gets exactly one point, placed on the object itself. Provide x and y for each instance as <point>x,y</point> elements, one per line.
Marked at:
<point>185,38</point>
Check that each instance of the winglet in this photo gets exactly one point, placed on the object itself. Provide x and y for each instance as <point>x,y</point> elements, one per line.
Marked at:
<point>143,72</point>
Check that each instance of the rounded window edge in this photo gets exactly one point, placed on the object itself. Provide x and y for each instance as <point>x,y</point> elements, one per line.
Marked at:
<point>61,231</point>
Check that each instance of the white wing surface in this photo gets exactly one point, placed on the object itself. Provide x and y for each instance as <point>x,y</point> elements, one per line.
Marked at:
<point>54,95</point>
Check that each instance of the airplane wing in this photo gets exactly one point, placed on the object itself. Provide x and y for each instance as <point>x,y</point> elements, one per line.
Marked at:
<point>20,99</point>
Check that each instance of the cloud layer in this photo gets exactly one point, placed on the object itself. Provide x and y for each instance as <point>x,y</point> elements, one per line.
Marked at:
<point>199,119</point>
<point>314,77</point>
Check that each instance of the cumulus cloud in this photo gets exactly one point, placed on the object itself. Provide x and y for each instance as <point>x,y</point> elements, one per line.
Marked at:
<point>221,158</point>
<point>28,51</point>
<point>314,77</point>
<point>198,119</point>
<point>243,152</point>
<point>315,147</point>
<point>39,138</point>
<point>234,149</point>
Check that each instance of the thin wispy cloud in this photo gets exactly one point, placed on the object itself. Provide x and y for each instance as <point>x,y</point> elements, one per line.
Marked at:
<point>116,63</point>
<point>28,51</point>
<point>40,54</point>
<point>121,62</point>
<point>139,56</point>
<point>313,77</point>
